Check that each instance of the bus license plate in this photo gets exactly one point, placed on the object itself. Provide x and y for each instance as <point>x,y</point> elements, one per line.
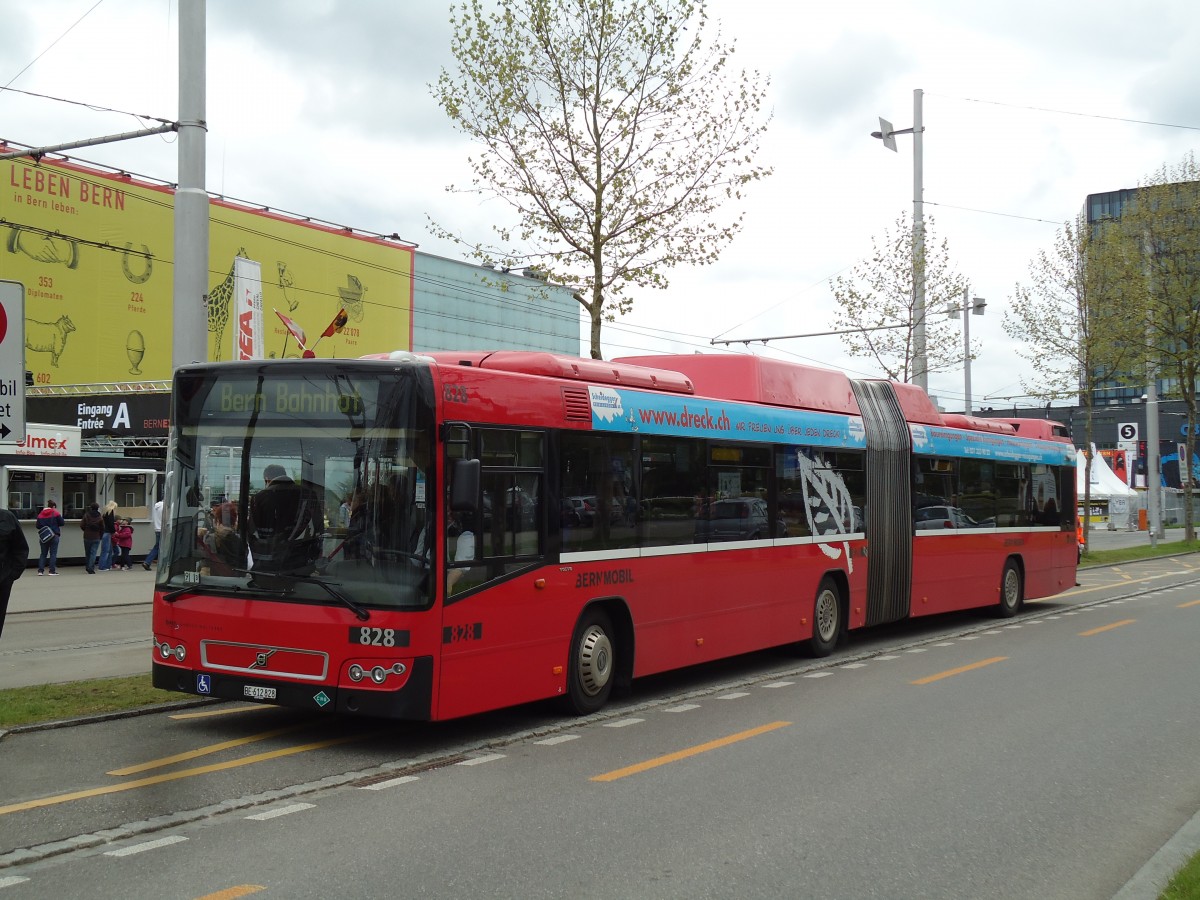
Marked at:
<point>254,692</point>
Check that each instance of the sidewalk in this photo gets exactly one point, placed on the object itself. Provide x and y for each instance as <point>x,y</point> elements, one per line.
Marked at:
<point>1099,539</point>
<point>73,588</point>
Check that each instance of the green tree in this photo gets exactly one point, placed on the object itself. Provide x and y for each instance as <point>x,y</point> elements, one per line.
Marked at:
<point>876,303</point>
<point>1163,224</point>
<point>1072,323</point>
<point>613,128</point>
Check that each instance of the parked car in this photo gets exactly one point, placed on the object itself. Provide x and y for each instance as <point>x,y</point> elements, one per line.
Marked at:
<point>735,519</point>
<point>931,518</point>
<point>584,508</point>
<point>616,512</point>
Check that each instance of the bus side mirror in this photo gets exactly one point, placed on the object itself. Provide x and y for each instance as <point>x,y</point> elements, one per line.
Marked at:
<point>464,485</point>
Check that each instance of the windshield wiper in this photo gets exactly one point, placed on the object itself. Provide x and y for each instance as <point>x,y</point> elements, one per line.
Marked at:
<point>174,595</point>
<point>359,611</point>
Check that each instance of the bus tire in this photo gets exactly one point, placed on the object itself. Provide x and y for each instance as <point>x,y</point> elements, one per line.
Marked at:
<point>592,668</point>
<point>1011,591</point>
<point>826,619</point>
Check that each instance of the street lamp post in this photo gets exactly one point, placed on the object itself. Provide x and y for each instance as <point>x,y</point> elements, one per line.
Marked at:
<point>969,308</point>
<point>887,134</point>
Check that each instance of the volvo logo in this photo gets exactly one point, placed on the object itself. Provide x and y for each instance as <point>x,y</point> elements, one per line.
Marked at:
<point>260,661</point>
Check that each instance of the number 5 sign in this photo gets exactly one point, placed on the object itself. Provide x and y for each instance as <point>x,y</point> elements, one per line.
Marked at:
<point>1127,431</point>
<point>12,362</point>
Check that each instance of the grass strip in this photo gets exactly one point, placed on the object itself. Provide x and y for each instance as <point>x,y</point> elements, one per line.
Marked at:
<point>70,700</point>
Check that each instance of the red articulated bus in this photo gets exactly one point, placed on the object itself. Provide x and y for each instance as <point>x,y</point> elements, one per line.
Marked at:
<point>432,536</point>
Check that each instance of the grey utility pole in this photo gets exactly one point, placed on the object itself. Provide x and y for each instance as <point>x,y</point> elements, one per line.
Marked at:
<point>888,134</point>
<point>189,308</point>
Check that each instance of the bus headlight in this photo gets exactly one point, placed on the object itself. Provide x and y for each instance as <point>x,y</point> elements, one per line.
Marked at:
<point>166,651</point>
<point>381,673</point>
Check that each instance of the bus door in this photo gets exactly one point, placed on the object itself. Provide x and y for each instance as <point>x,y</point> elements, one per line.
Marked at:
<point>494,612</point>
<point>889,502</point>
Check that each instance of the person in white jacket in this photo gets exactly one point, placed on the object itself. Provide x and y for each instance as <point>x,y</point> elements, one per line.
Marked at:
<point>156,519</point>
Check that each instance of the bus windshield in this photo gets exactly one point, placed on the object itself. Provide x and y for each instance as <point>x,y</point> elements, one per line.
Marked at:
<point>303,482</point>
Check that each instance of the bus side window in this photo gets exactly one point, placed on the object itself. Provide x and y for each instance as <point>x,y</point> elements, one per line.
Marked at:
<point>674,489</point>
<point>599,506</point>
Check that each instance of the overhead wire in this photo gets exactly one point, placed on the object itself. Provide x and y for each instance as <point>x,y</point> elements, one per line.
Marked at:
<point>70,28</point>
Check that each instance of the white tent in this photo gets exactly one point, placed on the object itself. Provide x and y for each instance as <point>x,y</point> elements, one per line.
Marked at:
<point>1107,487</point>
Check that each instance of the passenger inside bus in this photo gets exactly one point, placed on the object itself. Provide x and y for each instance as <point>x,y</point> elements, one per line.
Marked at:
<point>223,546</point>
<point>285,524</point>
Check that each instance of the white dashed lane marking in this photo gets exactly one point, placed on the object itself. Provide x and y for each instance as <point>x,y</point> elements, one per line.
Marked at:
<point>147,845</point>
<point>390,783</point>
<point>282,811</point>
<point>480,760</point>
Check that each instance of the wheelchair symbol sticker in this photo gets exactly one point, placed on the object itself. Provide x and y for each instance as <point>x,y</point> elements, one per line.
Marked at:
<point>203,684</point>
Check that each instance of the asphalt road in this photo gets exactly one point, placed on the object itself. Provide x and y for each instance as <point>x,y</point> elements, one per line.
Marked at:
<point>959,757</point>
<point>76,626</point>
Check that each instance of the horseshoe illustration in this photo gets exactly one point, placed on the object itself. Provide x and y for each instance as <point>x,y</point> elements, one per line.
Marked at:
<point>144,276</point>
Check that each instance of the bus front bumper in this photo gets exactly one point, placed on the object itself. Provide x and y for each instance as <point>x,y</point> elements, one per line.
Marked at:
<point>414,701</point>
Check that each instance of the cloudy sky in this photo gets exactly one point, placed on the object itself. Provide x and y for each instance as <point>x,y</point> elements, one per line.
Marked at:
<point>323,108</point>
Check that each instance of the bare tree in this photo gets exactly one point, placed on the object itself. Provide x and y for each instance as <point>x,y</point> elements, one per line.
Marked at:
<point>876,303</point>
<point>1073,324</point>
<point>613,128</point>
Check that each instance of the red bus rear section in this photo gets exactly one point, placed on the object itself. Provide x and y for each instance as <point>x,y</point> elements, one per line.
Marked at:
<point>462,532</point>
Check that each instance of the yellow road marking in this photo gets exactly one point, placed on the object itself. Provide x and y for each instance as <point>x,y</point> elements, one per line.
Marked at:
<point>203,751</point>
<point>208,714</point>
<point>1190,603</point>
<point>176,776</point>
<point>1103,628</point>
<point>690,751</point>
<point>951,672</point>
<point>242,890</point>
<point>1125,583</point>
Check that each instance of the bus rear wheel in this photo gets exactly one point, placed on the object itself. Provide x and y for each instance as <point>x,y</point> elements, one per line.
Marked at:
<point>592,668</point>
<point>826,619</point>
<point>1011,591</point>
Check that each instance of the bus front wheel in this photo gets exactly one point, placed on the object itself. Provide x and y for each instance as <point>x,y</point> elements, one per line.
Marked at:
<point>826,619</point>
<point>593,663</point>
<point>1011,593</point>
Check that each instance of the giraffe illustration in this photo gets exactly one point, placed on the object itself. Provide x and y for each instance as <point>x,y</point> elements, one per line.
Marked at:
<point>286,283</point>
<point>219,300</point>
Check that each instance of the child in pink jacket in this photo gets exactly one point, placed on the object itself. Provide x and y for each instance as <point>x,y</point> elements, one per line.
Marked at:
<point>124,541</point>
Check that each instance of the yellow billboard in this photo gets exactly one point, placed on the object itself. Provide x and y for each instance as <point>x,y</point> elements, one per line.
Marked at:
<point>94,251</point>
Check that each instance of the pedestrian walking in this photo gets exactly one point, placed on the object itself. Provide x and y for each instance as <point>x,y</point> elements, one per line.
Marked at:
<point>92,525</point>
<point>49,525</point>
<point>124,541</point>
<point>156,520</point>
<point>14,554</point>
<point>110,529</point>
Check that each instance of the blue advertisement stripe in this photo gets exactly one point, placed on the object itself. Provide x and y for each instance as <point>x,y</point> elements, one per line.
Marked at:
<point>638,412</point>
<point>632,412</point>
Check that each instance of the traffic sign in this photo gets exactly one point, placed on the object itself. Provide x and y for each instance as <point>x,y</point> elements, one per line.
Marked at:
<point>12,362</point>
<point>1127,431</point>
